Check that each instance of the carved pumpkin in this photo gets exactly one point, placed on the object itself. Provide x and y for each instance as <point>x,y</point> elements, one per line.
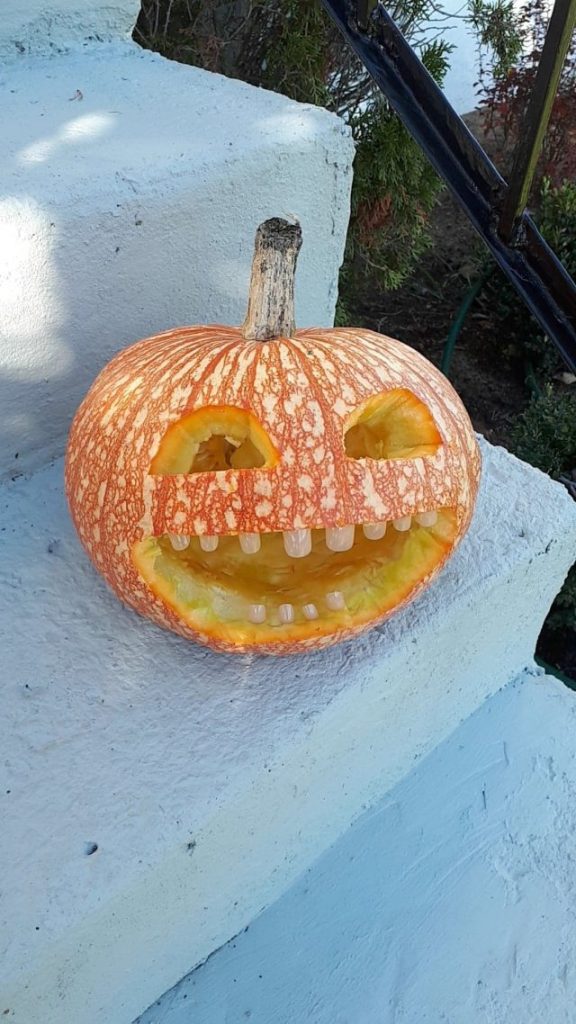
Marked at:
<point>266,489</point>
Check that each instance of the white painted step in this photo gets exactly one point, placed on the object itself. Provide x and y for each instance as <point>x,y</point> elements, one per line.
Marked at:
<point>131,189</point>
<point>451,900</point>
<point>210,783</point>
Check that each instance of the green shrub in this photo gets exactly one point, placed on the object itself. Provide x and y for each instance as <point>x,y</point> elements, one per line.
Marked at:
<point>507,93</point>
<point>394,187</point>
<point>293,47</point>
<point>545,436</point>
<point>522,339</point>
<point>545,433</point>
<point>394,191</point>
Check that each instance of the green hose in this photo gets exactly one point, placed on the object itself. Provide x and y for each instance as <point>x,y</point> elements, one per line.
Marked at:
<point>531,380</point>
<point>458,323</point>
<point>460,318</point>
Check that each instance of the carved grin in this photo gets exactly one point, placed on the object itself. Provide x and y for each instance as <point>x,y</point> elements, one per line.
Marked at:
<point>264,587</point>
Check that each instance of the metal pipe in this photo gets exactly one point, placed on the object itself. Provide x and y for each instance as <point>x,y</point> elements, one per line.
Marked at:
<point>537,115</point>
<point>364,12</point>
<point>531,266</point>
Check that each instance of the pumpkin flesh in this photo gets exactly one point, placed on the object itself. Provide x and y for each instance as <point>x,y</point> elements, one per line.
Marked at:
<point>214,591</point>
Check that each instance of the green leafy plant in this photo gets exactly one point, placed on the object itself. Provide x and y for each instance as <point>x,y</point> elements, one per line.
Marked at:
<point>521,340</point>
<point>498,29</point>
<point>505,95</point>
<point>394,190</point>
<point>293,47</point>
<point>545,433</point>
<point>545,436</point>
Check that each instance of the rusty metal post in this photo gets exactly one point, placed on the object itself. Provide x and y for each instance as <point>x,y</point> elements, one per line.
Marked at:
<point>554,52</point>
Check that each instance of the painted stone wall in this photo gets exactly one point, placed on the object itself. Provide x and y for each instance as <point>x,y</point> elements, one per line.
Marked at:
<point>130,191</point>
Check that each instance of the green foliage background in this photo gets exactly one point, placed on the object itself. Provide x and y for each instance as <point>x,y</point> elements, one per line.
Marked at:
<point>545,436</point>
<point>292,46</point>
<point>522,340</point>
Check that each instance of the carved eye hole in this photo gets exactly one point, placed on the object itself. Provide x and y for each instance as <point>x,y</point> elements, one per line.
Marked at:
<point>393,425</point>
<point>212,439</point>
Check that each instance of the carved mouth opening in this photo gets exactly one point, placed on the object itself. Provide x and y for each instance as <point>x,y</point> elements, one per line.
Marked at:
<point>278,587</point>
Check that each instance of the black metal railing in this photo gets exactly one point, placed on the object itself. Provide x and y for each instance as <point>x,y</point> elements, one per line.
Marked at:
<point>495,209</point>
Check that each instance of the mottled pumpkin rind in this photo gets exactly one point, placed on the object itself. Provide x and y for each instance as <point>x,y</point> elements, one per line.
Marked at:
<point>303,390</point>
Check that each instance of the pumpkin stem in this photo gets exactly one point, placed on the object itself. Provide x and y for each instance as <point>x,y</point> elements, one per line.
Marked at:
<point>271,297</point>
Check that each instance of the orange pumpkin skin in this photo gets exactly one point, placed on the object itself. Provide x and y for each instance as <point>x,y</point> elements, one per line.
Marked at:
<point>303,390</point>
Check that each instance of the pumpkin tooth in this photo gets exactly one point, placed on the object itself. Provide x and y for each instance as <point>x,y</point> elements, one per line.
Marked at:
<point>179,541</point>
<point>297,543</point>
<point>310,611</point>
<point>427,518</point>
<point>402,524</point>
<point>208,543</point>
<point>335,601</point>
<point>339,538</point>
<point>249,542</point>
<point>257,613</point>
<point>286,613</point>
<point>374,531</point>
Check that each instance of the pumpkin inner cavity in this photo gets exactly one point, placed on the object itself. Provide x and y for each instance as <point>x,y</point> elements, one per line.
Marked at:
<point>326,590</point>
<point>393,425</point>
<point>216,437</point>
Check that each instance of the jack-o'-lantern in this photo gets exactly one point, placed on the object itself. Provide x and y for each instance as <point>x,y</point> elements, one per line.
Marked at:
<point>270,489</point>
